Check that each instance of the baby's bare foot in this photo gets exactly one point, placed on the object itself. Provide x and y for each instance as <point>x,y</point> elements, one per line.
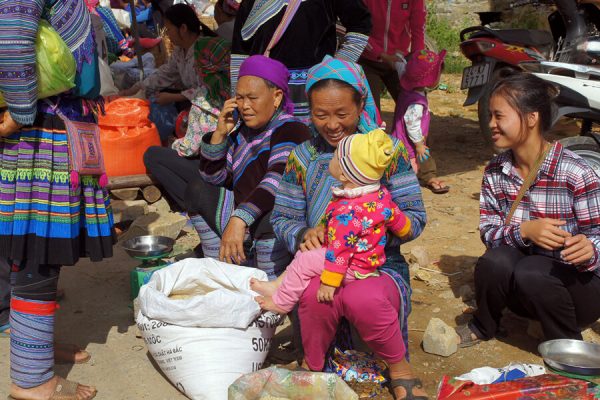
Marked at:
<point>264,288</point>
<point>266,303</point>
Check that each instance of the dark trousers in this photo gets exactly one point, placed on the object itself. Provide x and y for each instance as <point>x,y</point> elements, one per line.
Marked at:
<point>33,281</point>
<point>564,300</point>
<point>172,171</point>
<point>380,74</point>
<point>4,291</point>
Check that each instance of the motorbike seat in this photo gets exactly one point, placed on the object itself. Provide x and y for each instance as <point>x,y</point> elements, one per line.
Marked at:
<point>526,37</point>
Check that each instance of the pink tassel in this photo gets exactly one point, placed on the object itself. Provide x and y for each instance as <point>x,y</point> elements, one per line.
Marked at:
<point>74,180</point>
<point>103,181</point>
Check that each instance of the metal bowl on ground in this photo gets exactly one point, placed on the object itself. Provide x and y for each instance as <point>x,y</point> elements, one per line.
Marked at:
<point>574,356</point>
<point>148,246</point>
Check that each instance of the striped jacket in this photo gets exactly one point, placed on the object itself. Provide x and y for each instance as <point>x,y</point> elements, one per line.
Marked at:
<point>251,163</point>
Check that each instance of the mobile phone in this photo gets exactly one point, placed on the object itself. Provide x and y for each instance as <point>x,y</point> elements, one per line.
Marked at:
<point>235,114</point>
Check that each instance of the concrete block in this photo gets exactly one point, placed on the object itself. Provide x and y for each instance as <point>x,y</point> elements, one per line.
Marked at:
<point>128,210</point>
<point>168,225</point>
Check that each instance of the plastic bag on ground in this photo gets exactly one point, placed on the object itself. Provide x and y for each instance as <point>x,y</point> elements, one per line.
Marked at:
<point>202,326</point>
<point>282,384</point>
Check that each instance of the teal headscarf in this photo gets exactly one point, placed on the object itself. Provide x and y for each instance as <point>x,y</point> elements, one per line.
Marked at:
<point>352,74</point>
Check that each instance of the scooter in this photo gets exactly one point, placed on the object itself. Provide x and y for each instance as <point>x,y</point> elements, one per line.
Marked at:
<point>573,37</point>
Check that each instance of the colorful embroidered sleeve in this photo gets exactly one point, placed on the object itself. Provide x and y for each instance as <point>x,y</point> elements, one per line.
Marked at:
<point>18,77</point>
<point>261,200</point>
<point>404,188</point>
<point>214,166</point>
<point>494,232</point>
<point>342,236</point>
<point>355,17</point>
<point>289,217</point>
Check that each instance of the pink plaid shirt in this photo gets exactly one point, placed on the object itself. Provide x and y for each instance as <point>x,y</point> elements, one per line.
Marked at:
<point>565,188</point>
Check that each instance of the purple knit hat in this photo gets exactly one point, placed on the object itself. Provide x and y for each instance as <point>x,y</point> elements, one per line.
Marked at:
<point>273,71</point>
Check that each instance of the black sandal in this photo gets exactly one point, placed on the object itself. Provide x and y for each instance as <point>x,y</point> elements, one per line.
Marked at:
<point>408,385</point>
<point>465,334</point>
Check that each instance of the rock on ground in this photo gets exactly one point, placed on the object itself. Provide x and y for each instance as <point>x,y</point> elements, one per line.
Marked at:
<point>439,338</point>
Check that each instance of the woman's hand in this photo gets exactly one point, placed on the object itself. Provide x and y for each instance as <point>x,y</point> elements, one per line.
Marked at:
<point>8,126</point>
<point>325,293</point>
<point>545,232</point>
<point>226,121</point>
<point>578,250</point>
<point>232,242</point>
<point>313,239</point>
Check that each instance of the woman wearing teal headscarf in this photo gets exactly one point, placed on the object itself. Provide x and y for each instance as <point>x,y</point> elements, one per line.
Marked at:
<point>341,104</point>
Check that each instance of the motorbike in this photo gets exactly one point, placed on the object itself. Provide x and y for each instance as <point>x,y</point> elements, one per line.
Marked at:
<point>574,37</point>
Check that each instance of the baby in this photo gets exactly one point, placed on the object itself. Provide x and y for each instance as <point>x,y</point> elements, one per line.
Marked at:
<point>357,220</point>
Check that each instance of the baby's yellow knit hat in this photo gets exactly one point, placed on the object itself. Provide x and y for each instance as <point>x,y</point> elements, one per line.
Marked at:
<point>364,157</point>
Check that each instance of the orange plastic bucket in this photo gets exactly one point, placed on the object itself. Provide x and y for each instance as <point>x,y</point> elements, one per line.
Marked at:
<point>125,112</point>
<point>124,148</point>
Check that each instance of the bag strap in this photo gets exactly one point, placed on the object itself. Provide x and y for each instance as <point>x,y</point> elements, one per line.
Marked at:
<point>290,11</point>
<point>528,181</point>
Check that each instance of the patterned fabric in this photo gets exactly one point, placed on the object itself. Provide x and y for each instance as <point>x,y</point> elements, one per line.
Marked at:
<point>18,28</point>
<point>31,342</point>
<point>310,36</point>
<point>353,74</point>
<point>115,41</point>
<point>39,211</point>
<point>408,121</point>
<point>251,163</point>
<point>356,234</point>
<point>297,85</point>
<point>262,11</point>
<point>212,64</point>
<point>306,189</point>
<point>566,188</point>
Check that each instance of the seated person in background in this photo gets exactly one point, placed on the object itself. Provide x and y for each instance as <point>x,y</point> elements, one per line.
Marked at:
<point>539,219</point>
<point>179,73</point>
<point>225,11</point>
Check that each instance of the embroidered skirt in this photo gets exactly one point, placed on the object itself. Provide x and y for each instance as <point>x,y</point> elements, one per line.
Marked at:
<point>41,217</point>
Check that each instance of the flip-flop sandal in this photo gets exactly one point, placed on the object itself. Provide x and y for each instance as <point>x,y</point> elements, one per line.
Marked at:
<point>408,385</point>
<point>436,189</point>
<point>65,390</point>
<point>466,336</point>
<point>71,359</point>
<point>5,331</point>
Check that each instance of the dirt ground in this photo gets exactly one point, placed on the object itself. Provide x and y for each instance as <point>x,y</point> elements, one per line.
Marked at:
<point>96,312</point>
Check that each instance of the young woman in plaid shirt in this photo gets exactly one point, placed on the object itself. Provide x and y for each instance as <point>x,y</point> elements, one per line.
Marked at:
<point>541,262</point>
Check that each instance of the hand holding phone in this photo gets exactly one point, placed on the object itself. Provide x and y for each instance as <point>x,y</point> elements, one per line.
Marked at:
<point>227,120</point>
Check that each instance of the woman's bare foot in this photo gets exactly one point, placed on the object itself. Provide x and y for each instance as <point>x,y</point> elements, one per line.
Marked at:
<point>266,303</point>
<point>264,288</point>
<point>70,354</point>
<point>65,389</point>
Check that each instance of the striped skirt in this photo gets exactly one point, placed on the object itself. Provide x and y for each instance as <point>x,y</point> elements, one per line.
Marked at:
<point>41,217</point>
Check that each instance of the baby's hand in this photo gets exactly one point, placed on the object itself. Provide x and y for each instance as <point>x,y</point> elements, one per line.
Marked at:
<point>325,293</point>
<point>422,151</point>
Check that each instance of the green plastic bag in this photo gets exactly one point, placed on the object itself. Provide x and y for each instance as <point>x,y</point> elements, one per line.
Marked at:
<point>54,63</point>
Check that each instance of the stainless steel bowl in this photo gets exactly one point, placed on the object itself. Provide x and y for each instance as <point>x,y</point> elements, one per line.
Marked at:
<point>148,246</point>
<point>575,356</point>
